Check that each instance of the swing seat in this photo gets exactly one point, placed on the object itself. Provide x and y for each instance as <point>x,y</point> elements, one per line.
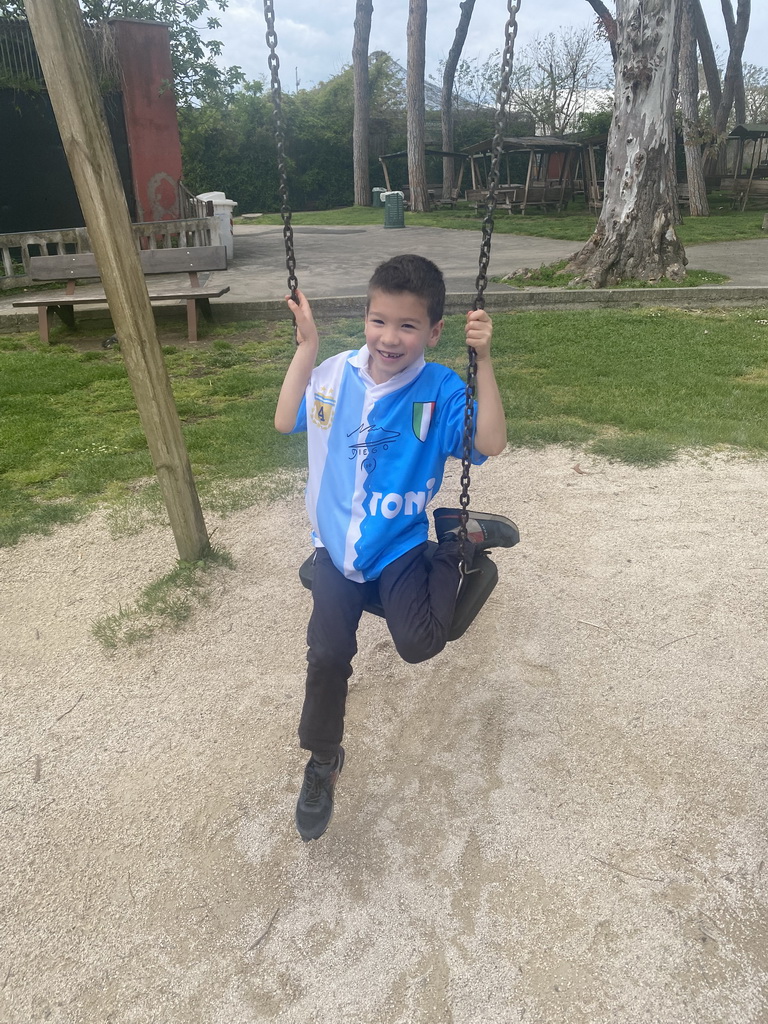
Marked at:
<point>477,588</point>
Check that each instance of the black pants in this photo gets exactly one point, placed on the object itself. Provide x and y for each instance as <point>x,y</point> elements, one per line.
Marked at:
<point>418,598</point>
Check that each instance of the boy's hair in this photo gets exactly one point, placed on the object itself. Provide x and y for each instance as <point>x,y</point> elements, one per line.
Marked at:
<point>414,274</point>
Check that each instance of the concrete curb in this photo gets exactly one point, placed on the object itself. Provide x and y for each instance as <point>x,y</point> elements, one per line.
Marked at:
<point>512,300</point>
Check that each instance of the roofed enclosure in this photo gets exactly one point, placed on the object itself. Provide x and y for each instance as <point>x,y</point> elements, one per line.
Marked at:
<point>435,191</point>
<point>747,163</point>
<point>535,171</point>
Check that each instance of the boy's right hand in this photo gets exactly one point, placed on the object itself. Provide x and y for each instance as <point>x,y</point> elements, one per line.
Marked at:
<point>306,331</point>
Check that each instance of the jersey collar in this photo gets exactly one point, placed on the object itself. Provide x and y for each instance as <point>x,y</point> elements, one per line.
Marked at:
<point>360,360</point>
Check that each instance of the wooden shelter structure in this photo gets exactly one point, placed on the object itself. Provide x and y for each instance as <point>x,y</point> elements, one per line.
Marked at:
<point>591,175</point>
<point>754,184</point>
<point>403,155</point>
<point>549,178</point>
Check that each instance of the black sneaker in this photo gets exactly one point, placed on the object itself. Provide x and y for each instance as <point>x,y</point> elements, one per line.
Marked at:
<point>483,529</point>
<point>314,808</point>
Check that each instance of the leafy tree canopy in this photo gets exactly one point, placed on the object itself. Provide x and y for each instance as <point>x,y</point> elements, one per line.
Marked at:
<point>196,75</point>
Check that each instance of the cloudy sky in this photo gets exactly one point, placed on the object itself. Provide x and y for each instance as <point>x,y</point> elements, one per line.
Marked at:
<point>315,36</point>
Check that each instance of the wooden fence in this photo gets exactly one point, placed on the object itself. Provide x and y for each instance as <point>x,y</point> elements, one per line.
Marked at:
<point>16,249</point>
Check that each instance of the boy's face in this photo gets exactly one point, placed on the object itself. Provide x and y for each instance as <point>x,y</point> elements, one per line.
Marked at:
<point>397,330</point>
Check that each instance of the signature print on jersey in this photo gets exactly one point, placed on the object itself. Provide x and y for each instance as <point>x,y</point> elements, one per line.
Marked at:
<point>376,439</point>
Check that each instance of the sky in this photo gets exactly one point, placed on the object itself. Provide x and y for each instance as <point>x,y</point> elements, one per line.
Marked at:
<point>315,36</point>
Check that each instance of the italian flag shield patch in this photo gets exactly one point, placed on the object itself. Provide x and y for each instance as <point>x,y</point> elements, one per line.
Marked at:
<point>422,418</point>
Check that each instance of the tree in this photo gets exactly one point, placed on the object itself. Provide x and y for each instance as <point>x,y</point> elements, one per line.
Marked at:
<point>755,94</point>
<point>446,95</point>
<point>723,96</point>
<point>414,92</point>
<point>196,76</point>
<point>362,180</point>
<point>553,74</point>
<point>689,106</point>
<point>635,236</point>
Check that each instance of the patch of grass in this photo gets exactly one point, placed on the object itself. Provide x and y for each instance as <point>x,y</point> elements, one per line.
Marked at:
<point>576,223</point>
<point>553,276</point>
<point>168,602</point>
<point>70,435</point>
<point>638,383</point>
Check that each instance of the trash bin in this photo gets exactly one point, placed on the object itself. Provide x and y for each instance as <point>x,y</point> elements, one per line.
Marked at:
<point>377,197</point>
<point>394,210</point>
<point>222,213</point>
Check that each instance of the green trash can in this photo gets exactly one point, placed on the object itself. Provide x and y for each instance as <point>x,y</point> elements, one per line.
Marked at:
<point>377,194</point>
<point>394,210</point>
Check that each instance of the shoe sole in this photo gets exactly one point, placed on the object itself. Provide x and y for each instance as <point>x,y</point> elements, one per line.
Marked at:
<point>310,839</point>
<point>471,514</point>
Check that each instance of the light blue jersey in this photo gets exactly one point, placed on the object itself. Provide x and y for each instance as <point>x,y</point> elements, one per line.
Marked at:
<point>376,457</point>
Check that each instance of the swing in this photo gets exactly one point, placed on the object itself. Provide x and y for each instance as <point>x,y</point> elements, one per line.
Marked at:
<point>478,581</point>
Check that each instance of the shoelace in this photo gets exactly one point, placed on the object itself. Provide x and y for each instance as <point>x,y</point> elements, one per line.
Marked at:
<point>313,783</point>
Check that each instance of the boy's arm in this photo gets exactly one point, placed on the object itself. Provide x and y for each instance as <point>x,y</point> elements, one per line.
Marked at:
<point>491,425</point>
<point>303,363</point>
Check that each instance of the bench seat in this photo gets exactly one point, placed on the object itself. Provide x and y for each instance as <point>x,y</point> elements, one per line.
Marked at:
<point>74,267</point>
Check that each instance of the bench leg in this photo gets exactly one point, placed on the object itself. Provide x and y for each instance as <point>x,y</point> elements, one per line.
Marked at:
<point>44,317</point>
<point>192,319</point>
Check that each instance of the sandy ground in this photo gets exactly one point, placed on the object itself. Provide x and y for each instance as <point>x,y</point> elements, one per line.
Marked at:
<point>561,819</point>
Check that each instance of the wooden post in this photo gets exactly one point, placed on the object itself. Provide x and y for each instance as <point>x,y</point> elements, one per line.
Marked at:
<point>57,29</point>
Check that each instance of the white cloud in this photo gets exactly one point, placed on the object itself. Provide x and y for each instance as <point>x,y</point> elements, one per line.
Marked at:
<point>315,38</point>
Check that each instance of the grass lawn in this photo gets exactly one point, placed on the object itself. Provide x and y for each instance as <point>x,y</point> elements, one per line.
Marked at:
<point>574,224</point>
<point>635,385</point>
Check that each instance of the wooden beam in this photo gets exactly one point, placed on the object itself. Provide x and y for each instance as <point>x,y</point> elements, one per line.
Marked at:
<point>57,29</point>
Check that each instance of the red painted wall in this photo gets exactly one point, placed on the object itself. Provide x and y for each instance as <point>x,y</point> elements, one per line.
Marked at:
<point>151,124</point>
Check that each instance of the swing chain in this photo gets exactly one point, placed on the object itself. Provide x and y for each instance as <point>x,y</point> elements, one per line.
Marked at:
<point>497,147</point>
<point>273,63</point>
<point>502,104</point>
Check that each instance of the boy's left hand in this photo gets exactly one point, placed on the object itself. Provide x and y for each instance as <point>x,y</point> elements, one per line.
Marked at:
<point>478,331</point>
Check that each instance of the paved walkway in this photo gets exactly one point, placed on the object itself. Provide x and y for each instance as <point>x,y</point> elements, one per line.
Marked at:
<point>339,260</point>
<point>335,263</point>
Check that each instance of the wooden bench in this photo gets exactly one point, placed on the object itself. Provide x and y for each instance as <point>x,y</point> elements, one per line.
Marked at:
<point>74,267</point>
<point>744,192</point>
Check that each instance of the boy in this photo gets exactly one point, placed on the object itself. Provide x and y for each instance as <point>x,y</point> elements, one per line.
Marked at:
<point>381,424</point>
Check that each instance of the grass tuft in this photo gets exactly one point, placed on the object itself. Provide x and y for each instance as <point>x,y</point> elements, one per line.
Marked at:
<point>168,602</point>
<point>553,276</point>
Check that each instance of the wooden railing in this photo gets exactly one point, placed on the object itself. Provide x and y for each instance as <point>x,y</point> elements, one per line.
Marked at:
<point>17,249</point>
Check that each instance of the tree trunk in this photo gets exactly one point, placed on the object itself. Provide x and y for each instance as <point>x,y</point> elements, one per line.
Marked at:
<point>446,97</point>
<point>362,178</point>
<point>689,103</point>
<point>635,236</point>
<point>708,58</point>
<point>414,96</point>
<point>734,79</point>
<point>739,99</point>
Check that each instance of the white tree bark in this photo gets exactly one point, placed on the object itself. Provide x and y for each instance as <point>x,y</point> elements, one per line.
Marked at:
<point>414,95</point>
<point>362,116</point>
<point>635,236</point>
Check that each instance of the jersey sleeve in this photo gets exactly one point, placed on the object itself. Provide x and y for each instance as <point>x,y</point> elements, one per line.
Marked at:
<point>453,424</point>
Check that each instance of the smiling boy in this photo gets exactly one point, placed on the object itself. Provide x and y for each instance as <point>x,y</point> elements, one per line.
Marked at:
<point>381,423</point>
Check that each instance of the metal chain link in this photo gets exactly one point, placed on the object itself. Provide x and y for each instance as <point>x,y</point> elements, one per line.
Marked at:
<point>502,103</point>
<point>273,62</point>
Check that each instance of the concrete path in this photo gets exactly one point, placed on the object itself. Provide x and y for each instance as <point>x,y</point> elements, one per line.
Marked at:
<point>339,260</point>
